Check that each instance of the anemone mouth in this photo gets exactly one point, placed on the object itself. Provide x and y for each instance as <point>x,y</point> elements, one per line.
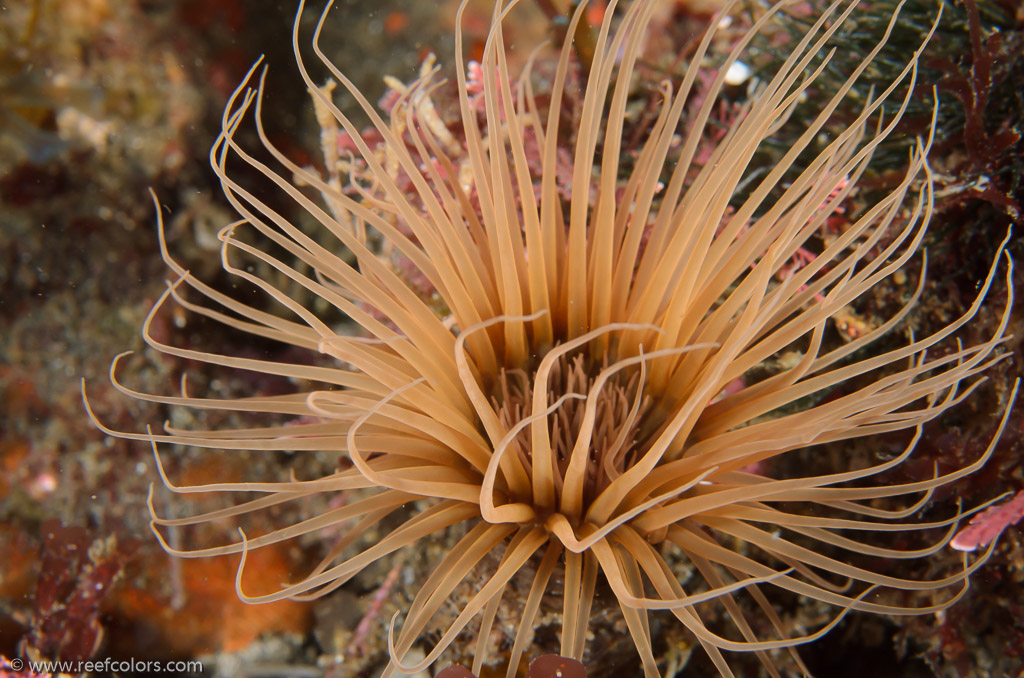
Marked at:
<point>619,409</point>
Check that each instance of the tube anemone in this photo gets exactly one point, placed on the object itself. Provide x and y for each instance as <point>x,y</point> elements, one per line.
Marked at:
<point>582,394</point>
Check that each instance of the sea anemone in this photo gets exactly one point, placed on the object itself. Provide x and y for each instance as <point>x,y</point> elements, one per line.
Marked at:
<point>581,381</point>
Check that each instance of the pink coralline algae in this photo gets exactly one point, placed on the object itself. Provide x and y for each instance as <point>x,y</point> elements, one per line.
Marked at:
<point>989,524</point>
